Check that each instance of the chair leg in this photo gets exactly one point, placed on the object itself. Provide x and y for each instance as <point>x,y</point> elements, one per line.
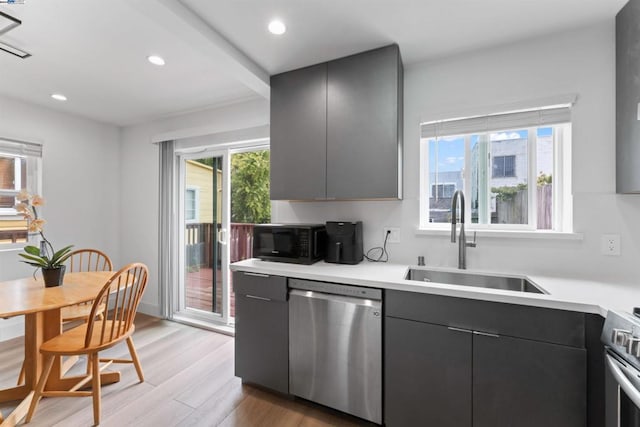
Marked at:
<point>134,358</point>
<point>95,386</point>
<point>21,375</point>
<point>40,387</point>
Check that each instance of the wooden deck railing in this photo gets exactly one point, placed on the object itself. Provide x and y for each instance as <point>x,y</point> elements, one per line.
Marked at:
<point>199,239</point>
<point>241,241</point>
<point>13,236</point>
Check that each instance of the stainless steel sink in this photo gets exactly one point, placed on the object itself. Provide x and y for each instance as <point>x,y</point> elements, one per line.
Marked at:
<point>507,283</point>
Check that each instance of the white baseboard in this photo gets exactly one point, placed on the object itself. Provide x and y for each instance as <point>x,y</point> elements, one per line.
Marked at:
<point>150,309</point>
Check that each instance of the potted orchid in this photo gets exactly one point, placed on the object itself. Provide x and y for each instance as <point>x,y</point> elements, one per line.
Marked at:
<point>45,258</point>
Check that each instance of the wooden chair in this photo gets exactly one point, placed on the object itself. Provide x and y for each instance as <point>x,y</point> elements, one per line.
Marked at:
<point>120,296</point>
<point>79,260</point>
<point>84,260</point>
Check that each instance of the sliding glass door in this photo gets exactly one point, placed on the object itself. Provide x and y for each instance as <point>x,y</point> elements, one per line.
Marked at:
<point>204,206</point>
<point>223,193</point>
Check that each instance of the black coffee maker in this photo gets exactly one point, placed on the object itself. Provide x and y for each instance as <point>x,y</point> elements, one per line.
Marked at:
<point>344,242</point>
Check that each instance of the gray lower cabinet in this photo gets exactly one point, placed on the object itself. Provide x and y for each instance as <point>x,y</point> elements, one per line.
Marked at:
<point>459,362</point>
<point>262,330</point>
<point>524,383</point>
<point>427,375</point>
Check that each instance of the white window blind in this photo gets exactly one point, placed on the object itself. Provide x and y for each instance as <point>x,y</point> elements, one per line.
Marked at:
<point>495,122</point>
<point>10,147</point>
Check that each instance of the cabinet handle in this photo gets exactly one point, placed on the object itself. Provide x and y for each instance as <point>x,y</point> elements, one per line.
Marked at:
<point>486,334</point>
<point>256,274</point>
<point>258,298</point>
<point>466,331</point>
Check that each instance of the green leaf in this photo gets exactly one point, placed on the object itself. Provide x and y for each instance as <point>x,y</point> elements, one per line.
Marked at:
<point>56,259</point>
<point>34,259</point>
<point>33,250</point>
<point>33,264</point>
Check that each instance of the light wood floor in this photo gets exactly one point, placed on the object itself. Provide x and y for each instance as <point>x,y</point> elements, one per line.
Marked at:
<point>189,381</point>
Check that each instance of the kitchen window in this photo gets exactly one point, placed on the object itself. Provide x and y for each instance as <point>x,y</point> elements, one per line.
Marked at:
<point>512,167</point>
<point>19,169</point>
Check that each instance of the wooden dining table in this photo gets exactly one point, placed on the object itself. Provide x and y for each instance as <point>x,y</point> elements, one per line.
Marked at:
<point>42,321</point>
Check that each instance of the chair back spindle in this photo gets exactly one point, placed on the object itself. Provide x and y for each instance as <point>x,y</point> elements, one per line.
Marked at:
<point>88,260</point>
<point>119,298</point>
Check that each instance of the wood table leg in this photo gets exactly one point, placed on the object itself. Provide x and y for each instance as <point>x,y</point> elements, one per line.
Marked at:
<point>19,413</point>
<point>33,338</point>
<point>14,393</point>
<point>51,328</point>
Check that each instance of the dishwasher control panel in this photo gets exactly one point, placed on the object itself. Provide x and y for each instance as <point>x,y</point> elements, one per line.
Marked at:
<point>336,289</point>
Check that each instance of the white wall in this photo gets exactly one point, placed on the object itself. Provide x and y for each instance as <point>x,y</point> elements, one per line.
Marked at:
<point>81,183</point>
<point>139,160</point>
<point>582,62</point>
<point>579,62</point>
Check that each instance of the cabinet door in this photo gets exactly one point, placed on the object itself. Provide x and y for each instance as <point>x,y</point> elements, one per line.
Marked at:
<point>299,134</point>
<point>427,375</point>
<point>363,110</point>
<point>524,383</point>
<point>262,339</point>
<point>627,97</point>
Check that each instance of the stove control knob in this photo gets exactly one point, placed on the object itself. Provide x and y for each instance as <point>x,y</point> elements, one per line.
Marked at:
<point>633,347</point>
<point>621,337</point>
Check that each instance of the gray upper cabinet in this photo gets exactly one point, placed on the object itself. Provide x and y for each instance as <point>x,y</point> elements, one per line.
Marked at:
<point>627,98</point>
<point>299,134</point>
<point>364,111</point>
<point>336,129</point>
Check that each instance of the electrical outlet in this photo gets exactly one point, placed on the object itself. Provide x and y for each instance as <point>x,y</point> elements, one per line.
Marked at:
<point>394,237</point>
<point>610,244</point>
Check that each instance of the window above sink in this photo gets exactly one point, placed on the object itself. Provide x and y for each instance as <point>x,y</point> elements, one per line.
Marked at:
<point>513,167</point>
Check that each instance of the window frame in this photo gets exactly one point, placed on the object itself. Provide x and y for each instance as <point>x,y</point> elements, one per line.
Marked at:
<point>443,184</point>
<point>17,178</point>
<point>562,202</point>
<point>504,168</point>
<point>32,152</point>
<point>196,200</point>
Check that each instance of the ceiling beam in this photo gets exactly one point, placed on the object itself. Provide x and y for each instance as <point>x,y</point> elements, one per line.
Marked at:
<point>201,35</point>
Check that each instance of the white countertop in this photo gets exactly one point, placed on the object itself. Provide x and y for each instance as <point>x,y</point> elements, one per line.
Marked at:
<point>565,294</point>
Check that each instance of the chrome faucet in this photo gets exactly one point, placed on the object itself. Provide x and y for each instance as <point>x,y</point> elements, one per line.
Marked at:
<point>462,242</point>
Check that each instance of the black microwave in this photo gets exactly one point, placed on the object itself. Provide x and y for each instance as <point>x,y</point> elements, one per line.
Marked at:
<point>297,243</point>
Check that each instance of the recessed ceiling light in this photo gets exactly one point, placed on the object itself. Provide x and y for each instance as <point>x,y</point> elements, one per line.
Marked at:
<point>155,60</point>
<point>59,97</point>
<point>277,27</point>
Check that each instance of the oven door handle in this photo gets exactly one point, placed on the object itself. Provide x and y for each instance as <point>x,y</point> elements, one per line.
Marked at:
<point>625,384</point>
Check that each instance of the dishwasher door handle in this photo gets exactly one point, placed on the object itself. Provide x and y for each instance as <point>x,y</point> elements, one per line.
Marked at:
<point>317,295</point>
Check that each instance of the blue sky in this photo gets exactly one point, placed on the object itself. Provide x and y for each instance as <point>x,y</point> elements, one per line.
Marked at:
<point>450,150</point>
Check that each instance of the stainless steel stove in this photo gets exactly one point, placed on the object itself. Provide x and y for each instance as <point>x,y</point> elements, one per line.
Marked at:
<point>621,337</point>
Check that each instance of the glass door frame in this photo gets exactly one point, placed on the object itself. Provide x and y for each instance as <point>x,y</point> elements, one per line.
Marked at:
<point>220,237</point>
<point>179,311</point>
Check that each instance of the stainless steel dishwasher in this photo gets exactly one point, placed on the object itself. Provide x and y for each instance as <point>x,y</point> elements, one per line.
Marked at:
<point>335,346</point>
